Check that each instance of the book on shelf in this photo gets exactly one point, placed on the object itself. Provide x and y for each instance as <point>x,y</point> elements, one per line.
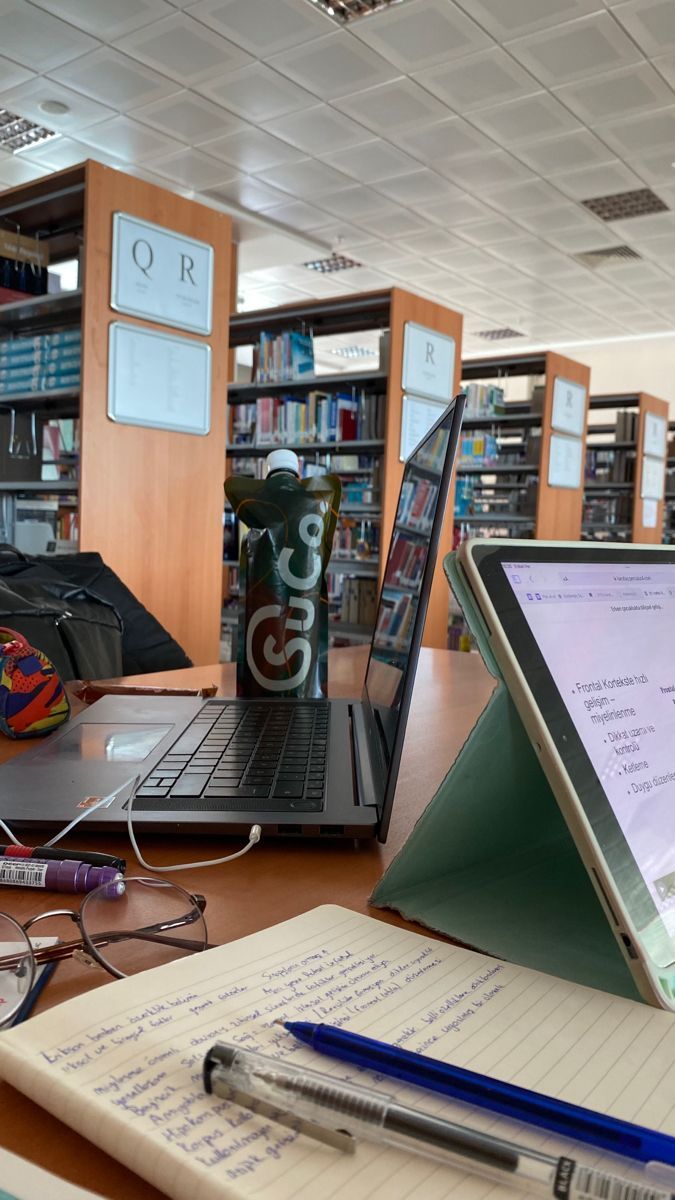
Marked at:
<point>285,357</point>
<point>316,416</point>
<point>353,601</point>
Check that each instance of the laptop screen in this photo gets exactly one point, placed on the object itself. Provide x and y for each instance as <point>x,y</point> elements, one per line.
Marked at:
<point>606,631</point>
<point>407,582</point>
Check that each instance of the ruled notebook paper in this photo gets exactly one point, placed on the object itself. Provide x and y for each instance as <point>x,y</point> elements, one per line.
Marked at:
<point>123,1066</point>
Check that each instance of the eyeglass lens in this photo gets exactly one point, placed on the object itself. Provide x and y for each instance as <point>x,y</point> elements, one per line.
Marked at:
<point>17,967</point>
<point>151,923</point>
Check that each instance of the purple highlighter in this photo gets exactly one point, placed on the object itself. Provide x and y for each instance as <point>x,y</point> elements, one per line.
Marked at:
<point>64,875</point>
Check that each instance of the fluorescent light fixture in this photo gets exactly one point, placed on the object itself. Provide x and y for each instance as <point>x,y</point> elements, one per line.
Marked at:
<point>345,11</point>
<point>334,262</point>
<point>17,133</point>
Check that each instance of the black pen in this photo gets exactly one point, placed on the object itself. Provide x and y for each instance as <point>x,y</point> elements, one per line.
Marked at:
<point>47,853</point>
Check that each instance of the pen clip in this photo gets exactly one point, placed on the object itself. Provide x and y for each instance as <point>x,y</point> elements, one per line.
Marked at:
<point>221,1086</point>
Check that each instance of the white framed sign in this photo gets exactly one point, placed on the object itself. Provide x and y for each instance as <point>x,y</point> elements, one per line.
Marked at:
<point>428,362</point>
<point>653,478</point>
<point>656,429</point>
<point>158,380</point>
<point>650,510</point>
<point>565,462</point>
<point>569,406</point>
<point>161,275</point>
<point>417,416</point>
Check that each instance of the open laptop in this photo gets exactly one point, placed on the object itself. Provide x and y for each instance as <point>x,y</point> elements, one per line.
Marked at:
<point>295,767</point>
<point>585,638</point>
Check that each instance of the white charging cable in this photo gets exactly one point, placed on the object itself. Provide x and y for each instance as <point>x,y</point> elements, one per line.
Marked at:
<point>255,833</point>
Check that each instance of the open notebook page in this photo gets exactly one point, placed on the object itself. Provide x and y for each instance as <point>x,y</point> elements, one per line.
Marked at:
<point>124,1068</point>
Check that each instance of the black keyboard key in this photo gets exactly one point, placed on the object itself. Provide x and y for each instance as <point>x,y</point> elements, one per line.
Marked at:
<point>246,792</point>
<point>289,791</point>
<point>190,785</point>
<point>190,741</point>
<point>146,790</point>
<point>314,793</point>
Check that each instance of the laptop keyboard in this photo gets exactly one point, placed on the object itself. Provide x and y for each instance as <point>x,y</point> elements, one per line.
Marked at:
<point>244,756</point>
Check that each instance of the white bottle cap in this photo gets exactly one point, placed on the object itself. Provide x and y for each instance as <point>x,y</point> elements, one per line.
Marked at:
<point>283,460</point>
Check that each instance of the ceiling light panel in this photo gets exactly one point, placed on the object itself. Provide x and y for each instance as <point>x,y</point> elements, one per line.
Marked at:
<point>105,20</point>
<point>578,50</point>
<point>478,81</point>
<point>392,107</point>
<point>262,28</point>
<point>27,98</point>
<point>113,79</point>
<point>619,207</point>
<point>650,22</point>
<point>313,129</point>
<point>421,34</point>
<point>506,19</point>
<point>334,66</point>
<point>523,120</point>
<point>374,160</point>
<point>189,118</point>
<point>31,36</point>
<point>257,93</point>
<point>183,49</point>
<point>17,133</point>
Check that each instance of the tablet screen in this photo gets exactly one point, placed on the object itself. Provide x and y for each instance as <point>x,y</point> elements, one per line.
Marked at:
<point>594,634</point>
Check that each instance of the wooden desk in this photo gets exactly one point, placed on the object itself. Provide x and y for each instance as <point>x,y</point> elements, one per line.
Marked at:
<point>278,879</point>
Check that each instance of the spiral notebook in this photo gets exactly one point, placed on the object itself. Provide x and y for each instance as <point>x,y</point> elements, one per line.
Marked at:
<point>126,1071</point>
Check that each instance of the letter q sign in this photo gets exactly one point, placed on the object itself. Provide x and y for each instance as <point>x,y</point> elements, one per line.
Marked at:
<point>161,275</point>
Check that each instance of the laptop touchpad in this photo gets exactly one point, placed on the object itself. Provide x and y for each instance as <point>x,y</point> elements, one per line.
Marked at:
<point>94,742</point>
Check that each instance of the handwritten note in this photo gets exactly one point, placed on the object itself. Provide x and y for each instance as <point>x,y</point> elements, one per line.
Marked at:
<point>126,1071</point>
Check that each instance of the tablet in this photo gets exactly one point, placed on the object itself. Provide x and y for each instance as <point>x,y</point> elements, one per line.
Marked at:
<point>585,638</point>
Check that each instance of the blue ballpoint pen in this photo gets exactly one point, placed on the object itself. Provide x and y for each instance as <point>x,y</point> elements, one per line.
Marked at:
<point>569,1120</point>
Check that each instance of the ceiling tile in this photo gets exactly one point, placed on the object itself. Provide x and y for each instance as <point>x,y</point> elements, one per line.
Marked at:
<point>263,28</point>
<point>525,197</point>
<point>421,34</point>
<point>480,80</point>
<point>556,156</point>
<point>11,75</point>
<point>183,49</point>
<point>354,202</point>
<point>307,177</point>
<point>193,169</point>
<point>578,50</point>
<point>104,19</point>
<point>27,98</point>
<point>15,169</point>
<point>443,143</point>
<point>665,64</point>
<point>411,272</point>
<point>313,129</point>
<point>490,171</point>
<point>388,255</point>
<point>560,217</point>
<point>650,22</point>
<point>623,93</point>
<point>189,118</point>
<point>417,187</point>
<point>510,18</point>
<point>350,236</point>
<point>523,120</point>
<point>251,150</point>
<point>114,79</point>
<point>128,140</point>
<point>432,242</point>
<point>657,167</point>
<point>394,223</point>
<point>391,107</point>
<point>257,93</point>
<point>64,152</point>
<point>297,215</point>
<point>457,209</point>
<point>635,136</point>
<point>468,259</point>
<point>333,66</point>
<point>487,233</point>
<point>643,229</point>
<point>32,37</point>
<point>247,193</point>
<point>578,241</point>
<point>372,161</point>
<point>604,180</point>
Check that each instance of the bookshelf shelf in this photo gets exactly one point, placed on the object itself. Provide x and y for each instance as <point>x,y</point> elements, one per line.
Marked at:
<point>366,568</point>
<point>360,510</point>
<point>501,469</point>
<point>356,633</point>
<point>245,393</point>
<point>41,312</point>
<point>50,487</point>
<point>507,421</point>
<point>495,518</point>
<point>64,402</point>
<point>244,449</point>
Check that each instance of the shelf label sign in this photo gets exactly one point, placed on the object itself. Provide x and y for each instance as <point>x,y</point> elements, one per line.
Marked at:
<point>161,275</point>
<point>653,476</point>
<point>417,417</point>
<point>565,462</point>
<point>655,435</point>
<point>569,407</point>
<point>158,380</point>
<point>428,362</point>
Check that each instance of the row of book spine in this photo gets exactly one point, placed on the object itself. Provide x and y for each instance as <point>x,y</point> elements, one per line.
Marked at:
<point>316,417</point>
<point>286,356</point>
<point>406,562</point>
<point>353,601</point>
<point>395,619</point>
<point>417,504</point>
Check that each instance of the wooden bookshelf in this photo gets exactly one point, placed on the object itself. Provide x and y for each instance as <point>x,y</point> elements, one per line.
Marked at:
<point>629,518</point>
<point>387,310</point>
<point>555,513</point>
<point>150,501</point>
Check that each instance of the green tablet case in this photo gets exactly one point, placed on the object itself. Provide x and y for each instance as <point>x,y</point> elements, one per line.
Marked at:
<point>492,863</point>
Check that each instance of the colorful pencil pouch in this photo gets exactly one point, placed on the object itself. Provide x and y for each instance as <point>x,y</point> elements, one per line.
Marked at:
<point>32,697</point>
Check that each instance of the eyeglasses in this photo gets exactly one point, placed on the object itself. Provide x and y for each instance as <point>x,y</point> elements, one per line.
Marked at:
<point>124,930</point>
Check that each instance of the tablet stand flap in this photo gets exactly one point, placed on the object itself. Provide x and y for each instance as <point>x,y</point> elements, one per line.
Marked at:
<point>492,863</point>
